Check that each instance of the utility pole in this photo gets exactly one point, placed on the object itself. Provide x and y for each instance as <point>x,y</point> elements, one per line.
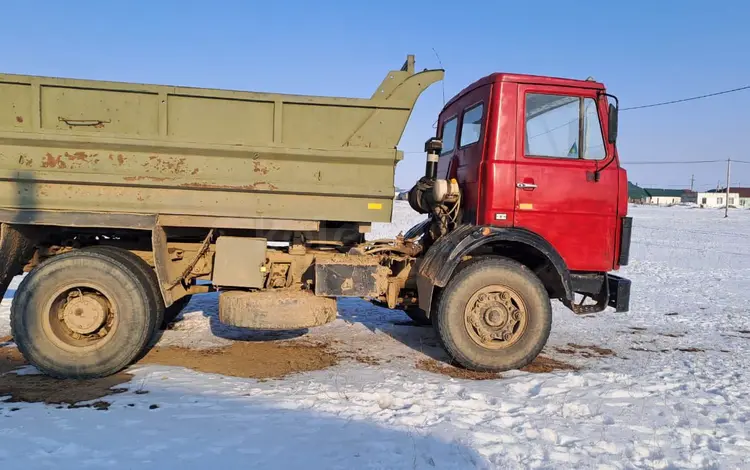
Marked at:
<point>692,181</point>
<point>726,203</point>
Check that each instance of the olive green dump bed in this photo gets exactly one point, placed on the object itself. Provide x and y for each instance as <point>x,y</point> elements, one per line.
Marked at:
<point>105,147</point>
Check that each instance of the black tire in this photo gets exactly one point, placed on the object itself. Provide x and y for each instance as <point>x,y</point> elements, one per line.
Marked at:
<point>40,331</point>
<point>164,315</point>
<point>526,338</point>
<point>144,272</point>
<point>173,310</point>
<point>418,316</point>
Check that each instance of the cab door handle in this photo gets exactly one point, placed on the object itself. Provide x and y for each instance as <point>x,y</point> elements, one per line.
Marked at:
<point>530,186</point>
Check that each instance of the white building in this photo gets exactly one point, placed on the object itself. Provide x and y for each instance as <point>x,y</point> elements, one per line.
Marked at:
<point>744,196</point>
<point>713,199</point>
<point>665,200</point>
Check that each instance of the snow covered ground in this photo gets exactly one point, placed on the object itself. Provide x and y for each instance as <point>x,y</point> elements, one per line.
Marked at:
<point>673,395</point>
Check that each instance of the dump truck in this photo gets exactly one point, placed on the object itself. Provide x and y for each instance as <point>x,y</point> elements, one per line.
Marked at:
<point>120,201</point>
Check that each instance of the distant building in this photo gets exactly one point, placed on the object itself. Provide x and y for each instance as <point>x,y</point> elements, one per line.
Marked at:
<point>742,194</point>
<point>714,199</point>
<point>664,197</point>
<point>636,194</point>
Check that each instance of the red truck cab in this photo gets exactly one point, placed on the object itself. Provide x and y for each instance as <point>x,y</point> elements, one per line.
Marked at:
<point>533,152</point>
<point>527,203</point>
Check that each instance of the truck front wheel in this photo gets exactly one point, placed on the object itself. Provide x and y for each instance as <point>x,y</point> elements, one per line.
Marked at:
<point>81,315</point>
<point>494,315</point>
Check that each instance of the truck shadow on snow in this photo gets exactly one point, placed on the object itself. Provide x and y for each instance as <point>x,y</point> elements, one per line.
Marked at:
<point>392,323</point>
<point>259,432</point>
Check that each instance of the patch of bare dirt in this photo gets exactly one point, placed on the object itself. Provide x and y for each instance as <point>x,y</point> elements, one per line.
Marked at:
<point>6,339</point>
<point>44,389</point>
<point>742,332</point>
<point>672,335</point>
<point>690,350</point>
<point>591,350</point>
<point>258,360</point>
<point>544,364</point>
<point>637,328</point>
<point>565,351</point>
<point>638,348</point>
<point>369,360</point>
<point>431,365</point>
<point>10,359</point>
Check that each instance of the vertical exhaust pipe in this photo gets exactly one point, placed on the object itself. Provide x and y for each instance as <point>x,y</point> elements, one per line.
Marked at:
<point>433,147</point>
<point>420,196</point>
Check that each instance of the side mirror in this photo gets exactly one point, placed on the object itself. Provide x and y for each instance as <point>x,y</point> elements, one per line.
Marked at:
<point>613,111</point>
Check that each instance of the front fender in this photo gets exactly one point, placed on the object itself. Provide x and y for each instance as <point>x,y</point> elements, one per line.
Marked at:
<point>443,257</point>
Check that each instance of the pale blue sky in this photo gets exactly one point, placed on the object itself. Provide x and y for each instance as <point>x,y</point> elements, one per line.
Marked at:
<point>645,51</point>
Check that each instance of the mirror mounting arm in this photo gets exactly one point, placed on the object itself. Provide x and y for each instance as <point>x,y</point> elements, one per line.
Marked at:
<point>612,116</point>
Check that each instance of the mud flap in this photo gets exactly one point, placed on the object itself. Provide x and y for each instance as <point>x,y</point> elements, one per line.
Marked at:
<point>17,244</point>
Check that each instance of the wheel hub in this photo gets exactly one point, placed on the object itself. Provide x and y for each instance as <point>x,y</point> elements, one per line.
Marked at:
<point>495,317</point>
<point>85,314</point>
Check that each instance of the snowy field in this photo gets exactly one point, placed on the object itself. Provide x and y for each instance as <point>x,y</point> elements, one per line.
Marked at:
<point>672,394</point>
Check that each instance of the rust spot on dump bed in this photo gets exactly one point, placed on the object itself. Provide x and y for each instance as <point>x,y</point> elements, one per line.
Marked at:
<point>119,158</point>
<point>19,119</point>
<point>174,165</point>
<point>141,178</point>
<point>51,161</point>
<point>79,156</point>
<point>258,168</point>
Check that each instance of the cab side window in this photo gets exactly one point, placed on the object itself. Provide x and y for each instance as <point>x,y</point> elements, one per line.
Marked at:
<point>471,127</point>
<point>560,126</point>
<point>449,135</point>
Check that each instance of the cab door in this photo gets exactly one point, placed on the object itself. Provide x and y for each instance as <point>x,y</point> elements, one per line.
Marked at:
<point>566,179</point>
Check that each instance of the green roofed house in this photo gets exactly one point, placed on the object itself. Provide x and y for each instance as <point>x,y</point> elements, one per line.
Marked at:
<point>636,194</point>
<point>665,197</point>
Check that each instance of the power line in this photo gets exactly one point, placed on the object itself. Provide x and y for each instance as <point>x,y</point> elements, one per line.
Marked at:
<point>674,162</point>
<point>644,106</point>
<point>693,98</point>
<point>684,162</point>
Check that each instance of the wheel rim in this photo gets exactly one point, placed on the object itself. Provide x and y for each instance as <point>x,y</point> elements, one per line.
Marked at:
<point>496,317</point>
<point>80,317</point>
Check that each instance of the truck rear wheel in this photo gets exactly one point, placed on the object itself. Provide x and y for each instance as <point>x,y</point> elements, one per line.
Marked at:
<point>146,274</point>
<point>163,315</point>
<point>80,315</point>
<point>494,315</point>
